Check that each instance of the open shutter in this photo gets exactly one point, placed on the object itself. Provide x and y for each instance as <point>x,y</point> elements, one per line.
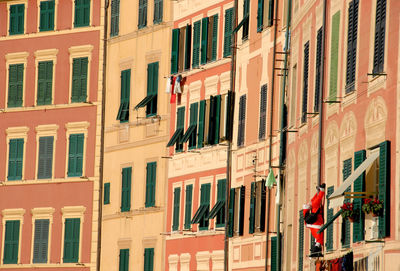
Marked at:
<point>196,44</point>
<point>270,13</point>
<point>329,231</point>
<point>274,251</point>
<point>242,120</point>
<point>252,207</point>
<point>263,206</point>
<point>106,193</point>
<point>384,189</point>
<point>123,259</point>
<point>260,15</point>
<point>188,205</point>
<point>177,201</point>
<point>359,186</point>
<point>334,57</point>
<point>241,209</point>
<point>214,42</point>
<point>200,139</point>
<point>181,46</point>
<point>175,50</point>
<point>228,32</point>
<point>318,70</point>
<point>305,83</point>
<point>345,239</point>
<point>231,212</point>
<point>204,37</point>
<point>217,114</point>
<point>300,252</point>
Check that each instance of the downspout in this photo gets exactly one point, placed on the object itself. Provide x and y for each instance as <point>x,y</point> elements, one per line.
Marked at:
<point>283,135</point>
<point>270,129</point>
<point>103,111</point>
<point>229,137</point>
<point>321,94</point>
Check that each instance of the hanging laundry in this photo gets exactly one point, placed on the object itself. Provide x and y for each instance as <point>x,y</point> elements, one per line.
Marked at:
<point>336,264</point>
<point>347,263</point>
<point>177,88</point>
<point>168,88</point>
<point>173,94</point>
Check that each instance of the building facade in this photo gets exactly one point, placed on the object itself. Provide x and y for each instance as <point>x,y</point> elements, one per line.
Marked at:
<point>136,132</point>
<point>50,125</point>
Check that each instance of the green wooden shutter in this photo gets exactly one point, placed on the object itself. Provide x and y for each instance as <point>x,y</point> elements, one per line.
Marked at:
<point>45,161</point>
<point>196,44</point>
<point>300,252</point>
<point>123,113</point>
<point>158,11</point>
<point>180,124</point>
<point>79,79</point>
<point>270,13</point>
<point>175,50</point>
<point>334,57</point>
<point>260,15</point>
<point>107,193</point>
<point>305,82</point>
<point>151,184</point>
<point>152,88</point>
<point>246,11</point>
<point>241,209</point>
<point>123,259</point>
<point>46,16</point>
<point>11,242</point>
<point>75,157</point>
<point>188,44</point>
<point>252,207</point>
<point>17,17</point>
<point>345,239</point>
<point>142,13</point>
<point>359,186</point>
<point>41,240</point>
<point>263,112</point>
<point>114,28</point>
<point>351,45</point>
<point>15,159</point>
<point>188,206</point>
<point>329,231</point>
<point>71,240</point>
<point>318,70</point>
<point>45,82</point>
<point>274,251</point>
<point>380,28</point>
<point>15,85</point>
<point>194,108</point>
<point>228,32</point>
<point>221,196</point>
<point>242,120</point>
<point>205,191</point>
<point>200,139</point>
<point>214,38</point>
<point>384,189</point>
<point>177,202</point>
<point>231,212</point>
<point>126,189</point>
<point>204,36</point>
<point>217,111</point>
<point>82,13</point>
<point>148,259</point>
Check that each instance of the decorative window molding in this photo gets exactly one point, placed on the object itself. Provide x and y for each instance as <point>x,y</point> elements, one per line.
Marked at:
<point>203,260</point>
<point>149,242</point>
<point>225,81</point>
<point>173,261</point>
<point>211,86</point>
<point>126,63</point>
<point>124,243</point>
<point>12,214</point>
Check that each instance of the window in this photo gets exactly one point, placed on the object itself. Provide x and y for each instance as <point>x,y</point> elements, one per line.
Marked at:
<point>300,251</point>
<point>11,242</point>
<point>188,44</point>
<point>274,247</point>
<point>209,39</point>
<point>123,112</point>
<point>158,11</point>
<point>75,156</point>
<point>191,131</point>
<point>45,161</point>
<point>204,39</point>
<point>126,189</point>
<point>334,56</point>
<point>214,120</point>
<point>380,29</point>
<point>260,15</point>
<point>200,139</point>
<point>17,17</point>
<point>150,101</point>
<point>114,31</point>
<point>329,231</point>
<point>188,205</point>
<point>175,50</point>
<point>246,19</point>
<point>151,170</point>
<point>45,82</point>
<point>270,18</point>
<point>79,79</point>
<point>219,208</point>
<point>181,44</point>
<point>242,120</point>
<point>123,259</point>
<point>359,186</point>
<point>228,32</point>
<point>15,159</point>
<point>196,44</point>
<point>41,241</point>
<point>257,207</point>
<point>106,193</point>
<point>201,215</point>
<point>180,125</point>
<point>71,240</point>
<point>263,112</point>
<point>142,14</point>
<point>46,16</point>
<point>352,46</point>
<point>148,259</point>
<point>177,202</point>
<point>305,83</point>
<point>238,211</point>
<point>82,13</point>
<point>345,238</point>
<point>15,85</point>
<point>318,70</point>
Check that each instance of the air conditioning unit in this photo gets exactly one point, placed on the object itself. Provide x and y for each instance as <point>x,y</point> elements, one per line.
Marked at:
<point>374,229</point>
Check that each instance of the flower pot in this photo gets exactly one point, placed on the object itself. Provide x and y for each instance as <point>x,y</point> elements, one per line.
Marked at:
<point>351,219</point>
<point>374,214</point>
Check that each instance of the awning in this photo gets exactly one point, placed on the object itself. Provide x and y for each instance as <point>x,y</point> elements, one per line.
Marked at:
<point>245,18</point>
<point>199,214</point>
<point>189,131</point>
<point>217,207</point>
<point>175,137</point>
<point>336,199</point>
<point>145,101</point>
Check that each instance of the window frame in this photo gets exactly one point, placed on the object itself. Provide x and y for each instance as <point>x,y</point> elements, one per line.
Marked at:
<point>73,25</point>
<point>9,215</point>
<point>9,4</point>
<point>42,213</point>
<point>77,128</point>
<point>71,212</point>
<point>54,15</point>
<point>49,130</point>
<point>20,132</point>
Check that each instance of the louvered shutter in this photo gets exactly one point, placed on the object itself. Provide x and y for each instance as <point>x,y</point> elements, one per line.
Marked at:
<point>106,196</point>
<point>115,4</point>
<point>151,184</point>
<point>126,189</point>
<point>246,11</point>
<point>175,50</point>
<point>228,32</point>
<point>380,28</point>
<point>305,83</point>
<point>45,163</point>
<point>384,189</point>
<point>46,16</point>
<point>345,239</point>
<point>242,120</point>
<point>123,259</point>
<point>180,125</point>
<point>142,13</point>
<point>263,206</point>
<point>334,56</point>
<point>318,70</point>
<point>274,251</point>
<point>204,37</point>
<point>15,85</point>
<point>45,82</point>
<point>177,201</point>
<point>241,209</point>
<point>71,240</point>
<point>351,45</point>
<point>79,79</point>
<point>11,242</point>
<point>359,186</point>
<point>82,13</point>
<point>210,37</point>
<point>15,159</point>
<point>205,201</point>
<point>300,252</point>
<point>263,112</point>
<point>75,157</point>
<point>271,12</point>
<point>200,139</point>
<point>231,212</point>
<point>252,207</point>
<point>17,17</point>
<point>188,205</point>
<point>152,88</point>
<point>41,239</point>
<point>194,108</point>
<point>260,15</point>
<point>188,44</point>
<point>196,44</point>
<point>158,11</point>
<point>148,259</point>
<point>329,231</point>
<point>214,41</point>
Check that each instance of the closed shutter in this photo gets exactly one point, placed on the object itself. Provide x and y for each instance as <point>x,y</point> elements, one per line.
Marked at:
<point>300,252</point>
<point>126,189</point>
<point>359,186</point>
<point>180,125</point>
<point>15,159</point>
<point>71,240</point>
<point>151,184</point>
<point>75,157</point>
<point>263,112</point>
<point>11,242</point>
<point>196,44</point>
<point>345,239</point>
<point>274,251</point>
<point>260,15</point>
<point>107,193</point>
<point>175,50</point>
<point>318,70</point>
<point>114,18</point>
<point>200,139</point>
<point>45,163</point>
<point>384,189</point>
<point>231,212</point>
<point>334,57</point>
<point>17,15</point>
<point>46,15</point>
<point>246,11</point>
<point>188,44</point>
<point>152,88</point>
<point>270,13</point>
<point>142,13</point>
<point>158,11</point>
<point>82,13</point>
<point>79,79</point>
<point>305,83</point>
<point>204,37</point>
<point>228,32</point>
<point>214,40</point>
<point>252,207</point>
<point>148,259</point>
<point>123,113</point>
<point>177,201</point>
<point>41,240</point>
<point>241,209</point>
<point>45,82</point>
<point>329,231</point>
<point>188,206</point>
<point>15,85</point>
<point>123,259</point>
<point>242,120</point>
<point>351,45</point>
<point>380,28</point>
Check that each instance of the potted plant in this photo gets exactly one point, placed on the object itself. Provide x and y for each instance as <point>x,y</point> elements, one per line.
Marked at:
<point>374,206</point>
<point>348,211</point>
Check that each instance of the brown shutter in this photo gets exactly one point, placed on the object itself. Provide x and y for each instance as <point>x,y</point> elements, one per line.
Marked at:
<point>181,59</point>
<point>209,38</point>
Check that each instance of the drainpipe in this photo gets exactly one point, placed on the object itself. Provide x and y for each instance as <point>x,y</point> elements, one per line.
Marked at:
<point>283,135</point>
<point>321,94</point>
<point>270,130</point>
<point>229,138</point>
<point>103,111</point>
